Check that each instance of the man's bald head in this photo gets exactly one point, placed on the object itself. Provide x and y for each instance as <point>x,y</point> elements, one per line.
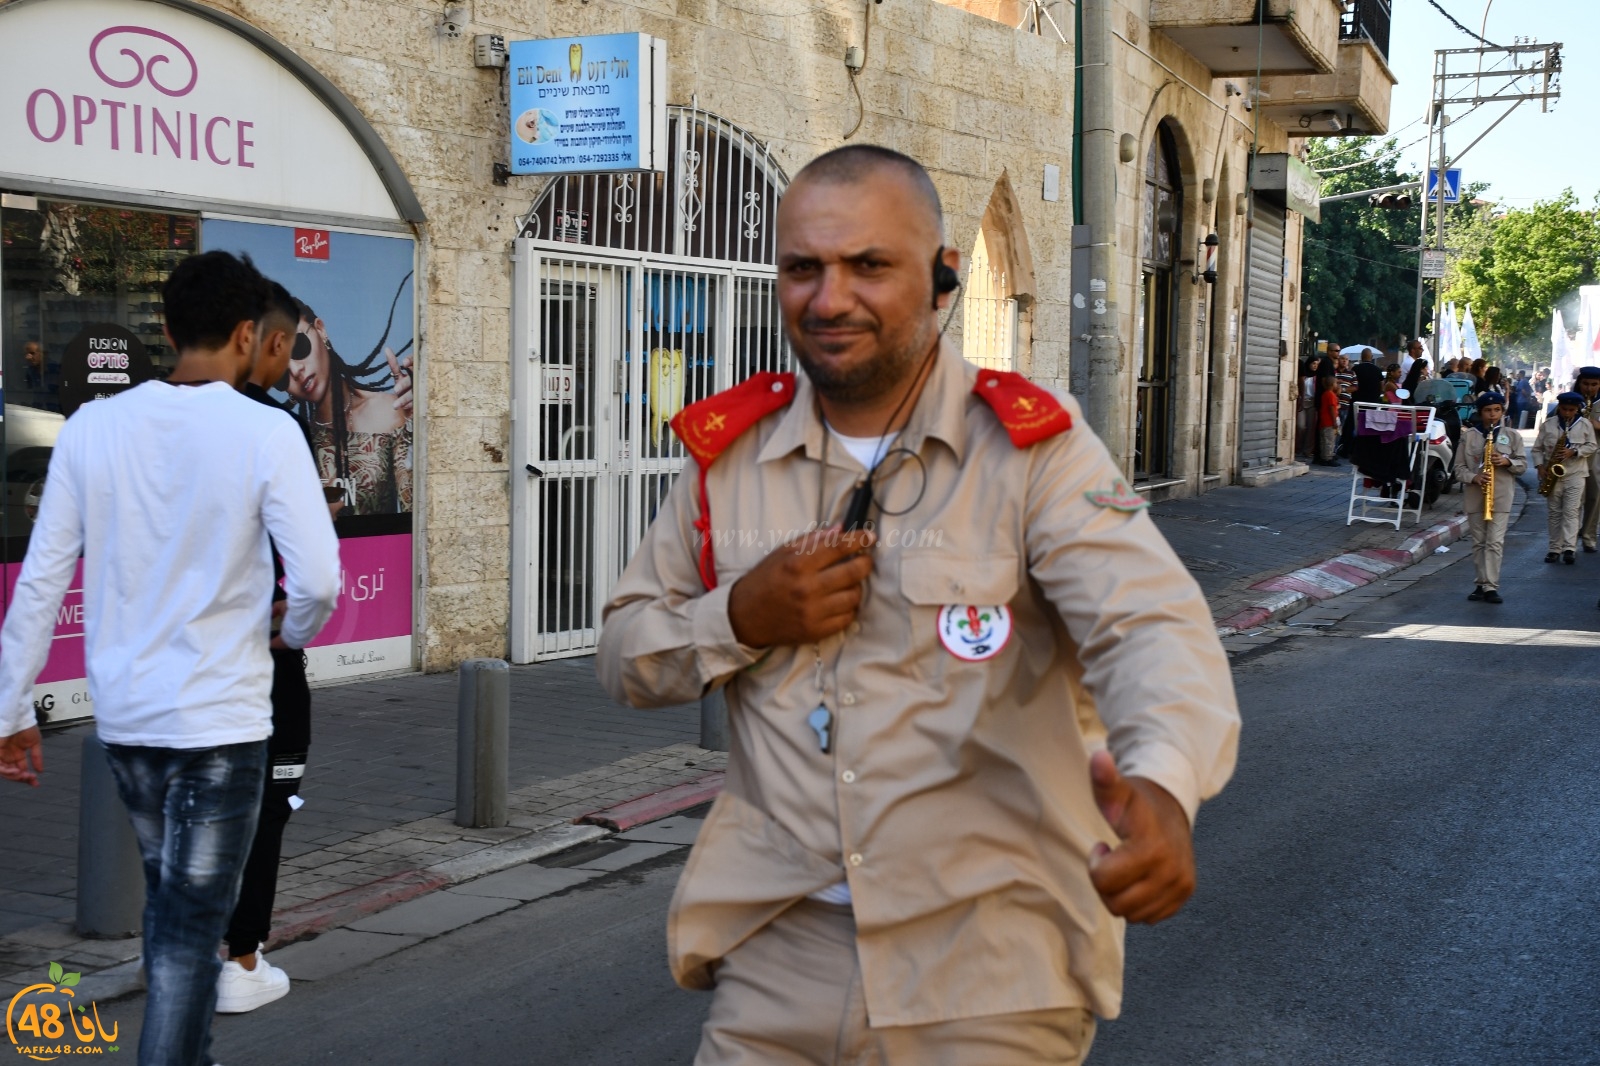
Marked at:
<point>854,163</point>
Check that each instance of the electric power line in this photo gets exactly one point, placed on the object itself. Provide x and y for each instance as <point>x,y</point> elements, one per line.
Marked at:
<point>1410,267</point>
<point>1452,20</point>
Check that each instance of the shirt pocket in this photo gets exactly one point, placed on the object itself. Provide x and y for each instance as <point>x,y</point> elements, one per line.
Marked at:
<point>936,578</point>
<point>959,607</point>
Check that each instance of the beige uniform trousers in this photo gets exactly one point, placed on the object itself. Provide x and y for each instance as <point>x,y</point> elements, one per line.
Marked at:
<point>1591,503</point>
<point>1488,545</point>
<point>1566,510</point>
<point>791,996</point>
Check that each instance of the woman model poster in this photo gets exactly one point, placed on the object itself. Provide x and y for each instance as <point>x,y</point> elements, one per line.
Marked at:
<point>358,415</point>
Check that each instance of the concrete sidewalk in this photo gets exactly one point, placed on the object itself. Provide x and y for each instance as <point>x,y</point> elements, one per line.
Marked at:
<point>377,826</point>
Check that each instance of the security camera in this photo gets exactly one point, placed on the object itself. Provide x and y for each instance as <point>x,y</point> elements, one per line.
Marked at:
<point>1230,89</point>
<point>453,21</point>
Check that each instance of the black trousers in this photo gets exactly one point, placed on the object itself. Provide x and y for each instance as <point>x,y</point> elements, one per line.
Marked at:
<point>286,766</point>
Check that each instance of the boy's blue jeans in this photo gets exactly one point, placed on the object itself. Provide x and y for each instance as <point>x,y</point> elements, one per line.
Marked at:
<point>194,812</point>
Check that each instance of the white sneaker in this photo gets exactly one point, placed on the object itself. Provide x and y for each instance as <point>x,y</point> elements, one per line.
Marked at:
<point>240,990</point>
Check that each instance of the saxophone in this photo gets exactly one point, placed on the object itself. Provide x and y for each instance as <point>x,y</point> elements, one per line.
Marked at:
<point>1554,470</point>
<point>1488,473</point>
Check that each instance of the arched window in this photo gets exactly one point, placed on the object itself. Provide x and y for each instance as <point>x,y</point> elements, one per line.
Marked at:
<point>995,322</point>
<point>988,312</point>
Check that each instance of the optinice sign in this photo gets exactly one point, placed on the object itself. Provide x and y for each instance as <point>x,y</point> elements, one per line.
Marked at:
<point>581,104</point>
<point>139,95</point>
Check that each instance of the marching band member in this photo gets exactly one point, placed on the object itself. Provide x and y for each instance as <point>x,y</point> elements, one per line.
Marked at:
<point>1569,440</point>
<point>1588,387</point>
<point>1497,476</point>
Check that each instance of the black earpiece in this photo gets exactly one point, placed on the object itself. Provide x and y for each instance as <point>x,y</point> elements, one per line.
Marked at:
<point>945,278</point>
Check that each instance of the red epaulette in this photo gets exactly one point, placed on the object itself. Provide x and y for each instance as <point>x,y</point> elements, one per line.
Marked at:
<point>708,427</point>
<point>1029,412</point>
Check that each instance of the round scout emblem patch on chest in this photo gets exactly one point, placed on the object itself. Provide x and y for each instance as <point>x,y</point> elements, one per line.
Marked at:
<point>974,633</point>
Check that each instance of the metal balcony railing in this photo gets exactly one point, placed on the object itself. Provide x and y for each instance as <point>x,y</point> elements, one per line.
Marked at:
<point>1366,20</point>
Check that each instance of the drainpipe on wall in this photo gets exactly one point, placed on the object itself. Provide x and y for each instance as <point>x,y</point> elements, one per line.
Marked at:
<point>1107,415</point>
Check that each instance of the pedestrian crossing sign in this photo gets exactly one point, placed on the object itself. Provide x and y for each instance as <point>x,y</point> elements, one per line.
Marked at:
<point>1452,186</point>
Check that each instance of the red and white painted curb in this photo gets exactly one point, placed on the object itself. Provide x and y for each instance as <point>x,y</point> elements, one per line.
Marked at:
<point>1289,593</point>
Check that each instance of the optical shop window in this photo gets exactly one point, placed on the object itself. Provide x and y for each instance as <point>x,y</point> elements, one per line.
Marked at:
<point>80,317</point>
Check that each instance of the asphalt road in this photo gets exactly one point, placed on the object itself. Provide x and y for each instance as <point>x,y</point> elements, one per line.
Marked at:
<point>1404,868</point>
<point>1403,871</point>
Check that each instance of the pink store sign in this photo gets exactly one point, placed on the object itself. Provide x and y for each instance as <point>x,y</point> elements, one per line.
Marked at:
<point>134,95</point>
<point>370,631</point>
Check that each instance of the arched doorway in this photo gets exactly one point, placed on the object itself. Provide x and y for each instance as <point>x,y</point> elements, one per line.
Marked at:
<point>1155,335</point>
<point>634,296</point>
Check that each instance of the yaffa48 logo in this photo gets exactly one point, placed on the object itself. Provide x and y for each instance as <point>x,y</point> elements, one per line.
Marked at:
<point>45,1021</point>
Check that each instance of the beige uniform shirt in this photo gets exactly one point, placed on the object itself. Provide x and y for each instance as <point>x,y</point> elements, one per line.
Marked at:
<point>956,798</point>
<point>1592,414</point>
<point>1469,464</point>
<point>1550,438</point>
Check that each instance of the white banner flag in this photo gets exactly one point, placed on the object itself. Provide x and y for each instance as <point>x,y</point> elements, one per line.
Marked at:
<point>1469,337</point>
<point>1584,347</point>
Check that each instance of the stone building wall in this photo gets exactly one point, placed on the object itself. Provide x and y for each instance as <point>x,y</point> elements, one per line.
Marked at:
<point>1156,81</point>
<point>976,100</point>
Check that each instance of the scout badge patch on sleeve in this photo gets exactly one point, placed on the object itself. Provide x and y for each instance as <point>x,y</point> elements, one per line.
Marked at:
<point>1119,497</point>
<point>974,633</point>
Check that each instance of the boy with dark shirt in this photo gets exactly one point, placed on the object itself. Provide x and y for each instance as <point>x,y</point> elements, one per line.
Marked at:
<point>248,980</point>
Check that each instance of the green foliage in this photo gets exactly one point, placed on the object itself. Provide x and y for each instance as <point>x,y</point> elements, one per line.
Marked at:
<point>1358,287</point>
<point>1518,265</point>
<point>1359,284</point>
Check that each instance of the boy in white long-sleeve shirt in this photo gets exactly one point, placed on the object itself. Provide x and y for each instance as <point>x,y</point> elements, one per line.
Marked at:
<point>170,491</point>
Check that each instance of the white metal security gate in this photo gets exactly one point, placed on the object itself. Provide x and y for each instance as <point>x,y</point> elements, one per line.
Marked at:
<point>1263,329</point>
<point>655,291</point>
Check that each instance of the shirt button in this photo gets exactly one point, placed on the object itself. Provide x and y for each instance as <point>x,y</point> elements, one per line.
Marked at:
<point>849,699</point>
<point>855,627</point>
<point>856,859</point>
<point>848,777</point>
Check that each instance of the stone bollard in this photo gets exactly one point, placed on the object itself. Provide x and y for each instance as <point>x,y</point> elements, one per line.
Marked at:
<point>483,737</point>
<point>714,721</point>
<point>110,870</point>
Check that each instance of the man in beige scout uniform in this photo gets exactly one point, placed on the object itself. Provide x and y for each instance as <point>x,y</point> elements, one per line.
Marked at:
<point>1508,463</point>
<point>1587,386</point>
<point>1568,439</point>
<point>916,860</point>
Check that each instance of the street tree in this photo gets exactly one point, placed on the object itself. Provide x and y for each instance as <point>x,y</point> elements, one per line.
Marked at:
<point>1519,264</point>
<point>1357,285</point>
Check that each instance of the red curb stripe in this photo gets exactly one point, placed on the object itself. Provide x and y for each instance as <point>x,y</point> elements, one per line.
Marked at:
<point>654,806</point>
<point>1246,619</point>
<point>1391,556</point>
<point>319,915</point>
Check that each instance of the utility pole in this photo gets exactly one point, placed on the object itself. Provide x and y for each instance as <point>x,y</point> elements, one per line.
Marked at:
<point>1532,71</point>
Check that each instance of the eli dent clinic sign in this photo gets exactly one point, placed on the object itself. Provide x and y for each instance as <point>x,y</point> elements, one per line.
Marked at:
<point>134,95</point>
<point>586,104</point>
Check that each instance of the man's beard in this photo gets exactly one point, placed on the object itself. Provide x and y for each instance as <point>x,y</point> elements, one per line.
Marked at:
<point>878,376</point>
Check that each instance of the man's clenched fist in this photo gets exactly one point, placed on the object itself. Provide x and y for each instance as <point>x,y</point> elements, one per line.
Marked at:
<point>804,591</point>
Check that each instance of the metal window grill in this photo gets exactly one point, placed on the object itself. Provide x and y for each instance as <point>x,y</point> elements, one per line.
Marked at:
<point>988,313</point>
<point>635,295</point>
